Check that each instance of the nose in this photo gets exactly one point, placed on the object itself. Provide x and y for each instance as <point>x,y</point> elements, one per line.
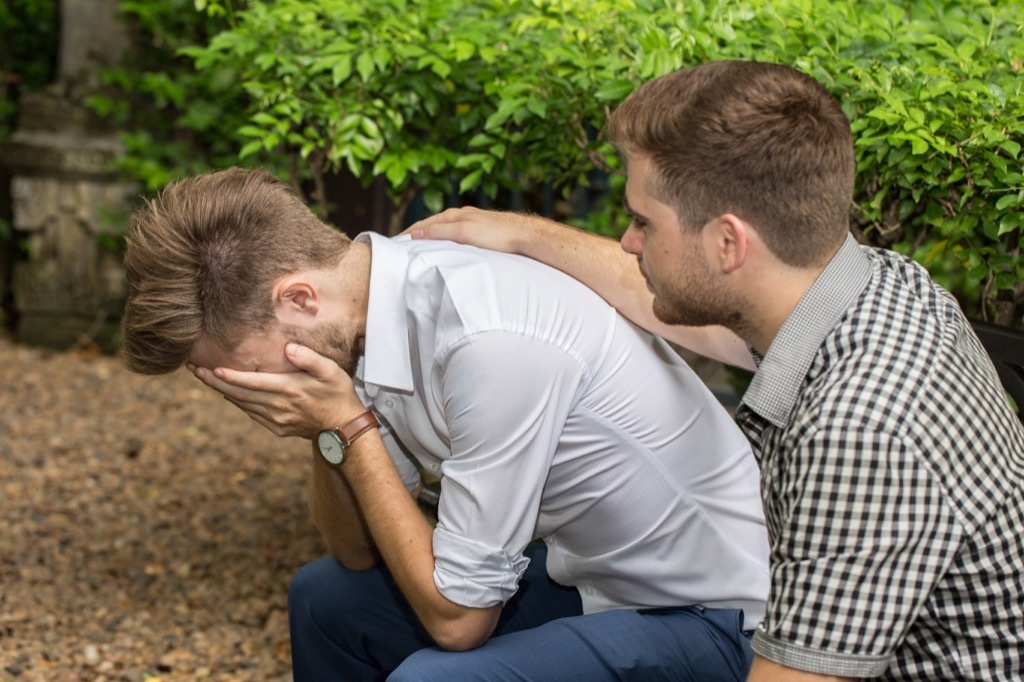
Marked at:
<point>631,241</point>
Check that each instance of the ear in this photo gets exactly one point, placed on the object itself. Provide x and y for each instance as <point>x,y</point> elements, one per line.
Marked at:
<point>296,297</point>
<point>729,239</point>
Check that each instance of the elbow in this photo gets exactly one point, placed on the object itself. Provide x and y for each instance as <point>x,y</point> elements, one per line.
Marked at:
<point>451,638</point>
<point>354,560</point>
<point>355,563</point>
<point>465,630</point>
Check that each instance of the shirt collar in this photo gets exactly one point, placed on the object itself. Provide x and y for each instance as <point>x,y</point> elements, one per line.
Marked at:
<point>775,388</point>
<point>387,360</point>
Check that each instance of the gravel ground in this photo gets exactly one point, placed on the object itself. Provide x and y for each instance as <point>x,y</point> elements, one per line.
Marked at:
<point>149,529</point>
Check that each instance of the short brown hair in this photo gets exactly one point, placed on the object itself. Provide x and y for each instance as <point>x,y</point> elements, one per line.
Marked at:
<point>762,141</point>
<point>201,260</point>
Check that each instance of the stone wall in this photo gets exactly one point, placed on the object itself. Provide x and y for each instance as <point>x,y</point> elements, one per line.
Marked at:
<point>68,287</point>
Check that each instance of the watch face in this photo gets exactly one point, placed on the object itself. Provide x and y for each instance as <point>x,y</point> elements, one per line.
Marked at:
<point>330,446</point>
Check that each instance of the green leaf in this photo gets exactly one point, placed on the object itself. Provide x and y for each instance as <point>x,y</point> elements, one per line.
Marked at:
<point>934,251</point>
<point>433,200</point>
<point>470,181</point>
<point>504,112</point>
<point>440,68</point>
<point>614,91</point>
<point>365,66</point>
<point>250,131</point>
<point>1010,147</point>
<point>537,106</point>
<point>1011,222</point>
<point>470,160</point>
<point>966,50</point>
<point>464,50</point>
<point>341,70</point>
<point>1005,280</point>
<point>1007,201</point>
<point>978,273</point>
<point>250,148</point>
<point>396,175</point>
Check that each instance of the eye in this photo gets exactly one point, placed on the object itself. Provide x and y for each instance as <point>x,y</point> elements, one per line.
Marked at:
<point>639,223</point>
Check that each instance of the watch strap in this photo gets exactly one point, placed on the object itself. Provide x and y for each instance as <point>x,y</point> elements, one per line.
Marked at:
<point>357,427</point>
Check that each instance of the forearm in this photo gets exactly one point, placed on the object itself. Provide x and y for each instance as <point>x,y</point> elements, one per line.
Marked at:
<point>336,515</point>
<point>405,541</point>
<point>598,262</point>
<point>601,264</point>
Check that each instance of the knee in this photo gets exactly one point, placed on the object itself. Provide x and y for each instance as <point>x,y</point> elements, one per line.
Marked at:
<point>316,587</point>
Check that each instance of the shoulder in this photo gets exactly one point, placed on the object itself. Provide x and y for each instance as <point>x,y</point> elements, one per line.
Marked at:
<point>450,292</point>
<point>904,364</point>
<point>878,365</point>
<point>902,283</point>
<point>901,349</point>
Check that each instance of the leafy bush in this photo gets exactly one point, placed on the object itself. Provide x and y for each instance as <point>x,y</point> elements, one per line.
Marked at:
<point>28,57</point>
<point>178,121</point>
<point>28,51</point>
<point>443,97</point>
<point>934,92</point>
<point>423,93</point>
<point>486,98</point>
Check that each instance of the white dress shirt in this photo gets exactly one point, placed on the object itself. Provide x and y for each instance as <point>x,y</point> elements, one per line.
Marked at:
<point>546,414</point>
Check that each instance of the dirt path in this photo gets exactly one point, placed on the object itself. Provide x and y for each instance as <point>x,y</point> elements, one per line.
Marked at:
<point>148,530</point>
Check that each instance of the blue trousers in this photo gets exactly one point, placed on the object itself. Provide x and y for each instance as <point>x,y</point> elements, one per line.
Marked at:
<point>352,626</point>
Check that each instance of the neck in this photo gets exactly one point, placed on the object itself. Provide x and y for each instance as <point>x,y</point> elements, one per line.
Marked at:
<point>350,281</point>
<point>773,291</point>
<point>769,303</point>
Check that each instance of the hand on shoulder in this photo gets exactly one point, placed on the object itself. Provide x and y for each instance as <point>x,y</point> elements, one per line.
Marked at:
<point>495,230</point>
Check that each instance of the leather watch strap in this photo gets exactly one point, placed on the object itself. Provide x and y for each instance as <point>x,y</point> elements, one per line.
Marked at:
<point>357,427</point>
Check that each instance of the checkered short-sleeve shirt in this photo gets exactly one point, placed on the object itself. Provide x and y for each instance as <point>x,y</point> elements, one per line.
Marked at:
<point>892,478</point>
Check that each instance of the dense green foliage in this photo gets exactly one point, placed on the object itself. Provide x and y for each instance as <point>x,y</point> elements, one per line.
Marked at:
<point>487,97</point>
<point>28,56</point>
<point>28,51</point>
<point>423,92</point>
<point>178,121</point>
<point>446,95</point>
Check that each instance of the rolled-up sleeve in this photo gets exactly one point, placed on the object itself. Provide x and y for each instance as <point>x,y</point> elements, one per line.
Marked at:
<point>506,397</point>
<point>472,573</point>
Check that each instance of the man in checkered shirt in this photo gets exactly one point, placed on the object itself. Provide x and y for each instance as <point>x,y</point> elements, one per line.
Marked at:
<point>892,466</point>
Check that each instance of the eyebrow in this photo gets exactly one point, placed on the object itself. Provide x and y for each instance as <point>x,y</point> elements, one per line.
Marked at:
<point>631,211</point>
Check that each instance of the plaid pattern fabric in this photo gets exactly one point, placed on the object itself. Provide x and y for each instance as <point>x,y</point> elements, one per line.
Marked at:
<point>893,483</point>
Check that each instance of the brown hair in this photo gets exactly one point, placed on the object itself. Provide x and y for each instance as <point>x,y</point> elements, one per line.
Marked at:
<point>202,257</point>
<point>762,141</point>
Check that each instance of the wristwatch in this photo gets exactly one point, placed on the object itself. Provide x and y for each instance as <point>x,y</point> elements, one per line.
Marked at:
<point>333,442</point>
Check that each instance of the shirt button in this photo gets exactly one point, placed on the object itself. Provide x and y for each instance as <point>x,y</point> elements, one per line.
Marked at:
<point>435,467</point>
<point>389,403</point>
<point>589,590</point>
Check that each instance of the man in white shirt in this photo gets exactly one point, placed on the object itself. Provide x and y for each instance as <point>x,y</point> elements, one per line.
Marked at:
<point>544,413</point>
